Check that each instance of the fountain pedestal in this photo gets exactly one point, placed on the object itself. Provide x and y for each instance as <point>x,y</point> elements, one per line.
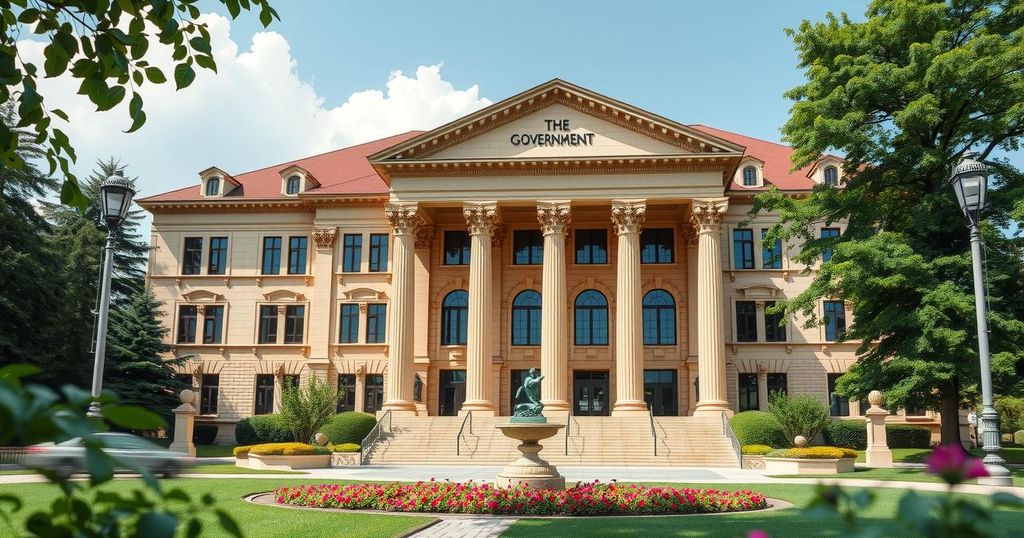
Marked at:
<point>530,469</point>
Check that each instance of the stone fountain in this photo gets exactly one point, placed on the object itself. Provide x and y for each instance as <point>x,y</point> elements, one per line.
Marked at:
<point>529,426</point>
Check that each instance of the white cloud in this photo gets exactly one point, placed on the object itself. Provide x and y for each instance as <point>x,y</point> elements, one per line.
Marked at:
<point>254,112</point>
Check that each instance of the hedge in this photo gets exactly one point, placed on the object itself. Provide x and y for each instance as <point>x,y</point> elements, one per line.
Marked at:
<point>755,450</point>
<point>854,434</point>
<point>758,428</point>
<point>280,449</point>
<point>347,447</point>
<point>1018,438</point>
<point>906,436</point>
<point>262,429</point>
<point>204,434</point>
<point>813,453</point>
<point>349,427</point>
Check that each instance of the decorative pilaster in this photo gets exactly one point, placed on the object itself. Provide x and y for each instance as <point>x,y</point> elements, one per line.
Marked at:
<point>404,220</point>
<point>554,218</point>
<point>481,218</point>
<point>628,217</point>
<point>323,238</point>
<point>707,215</point>
<point>762,389</point>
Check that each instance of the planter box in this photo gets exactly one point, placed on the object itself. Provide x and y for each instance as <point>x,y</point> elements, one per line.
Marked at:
<point>753,462</point>
<point>345,459</point>
<point>807,466</point>
<point>242,461</point>
<point>288,463</point>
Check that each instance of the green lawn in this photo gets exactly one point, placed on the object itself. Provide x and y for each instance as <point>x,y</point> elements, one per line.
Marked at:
<point>230,468</point>
<point>907,475</point>
<point>917,455</point>
<point>213,451</point>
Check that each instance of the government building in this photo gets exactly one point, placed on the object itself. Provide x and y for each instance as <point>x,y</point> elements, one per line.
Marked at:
<point>559,229</point>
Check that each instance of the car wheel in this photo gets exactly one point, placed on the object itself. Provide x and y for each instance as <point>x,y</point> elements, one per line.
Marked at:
<point>170,471</point>
<point>65,468</point>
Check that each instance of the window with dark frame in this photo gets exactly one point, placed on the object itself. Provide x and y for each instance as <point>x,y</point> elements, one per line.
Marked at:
<point>527,247</point>
<point>213,324</point>
<point>746,321</point>
<point>271,255</point>
<point>839,406</point>
<point>297,247</point>
<point>749,176</point>
<point>774,330</point>
<point>748,392</point>
<point>352,253</point>
<point>591,315</point>
<point>831,176</point>
<point>264,394</point>
<point>187,320</point>
<point>828,233</point>
<point>659,318</point>
<point>592,247</point>
<point>454,318</point>
<point>743,248</point>
<point>835,320</point>
<point>192,257</point>
<point>268,324</point>
<point>217,260</point>
<point>771,258</point>
<point>526,316</point>
<point>213,186</point>
<point>346,393</point>
<point>376,323</point>
<point>209,392</point>
<point>294,320</point>
<point>379,253</point>
<point>778,383</point>
<point>349,332</point>
<point>373,394</point>
<point>293,184</point>
<point>656,245</point>
<point>456,247</point>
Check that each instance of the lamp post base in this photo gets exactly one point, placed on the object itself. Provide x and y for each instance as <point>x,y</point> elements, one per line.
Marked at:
<point>94,411</point>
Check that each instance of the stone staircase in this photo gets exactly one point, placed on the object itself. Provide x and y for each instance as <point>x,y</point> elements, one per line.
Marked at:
<point>593,441</point>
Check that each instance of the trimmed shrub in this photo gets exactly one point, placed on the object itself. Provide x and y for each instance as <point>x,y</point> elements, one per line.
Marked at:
<point>204,434</point>
<point>350,427</point>
<point>758,428</point>
<point>241,451</point>
<point>287,449</point>
<point>262,429</point>
<point>813,453</point>
<point>307,408</point>
<point>847,433</point>
<point>906,436</point>
<point>801,414</point>
<point>1018,438</point>
<point>755,450</point>
<point>347,447</point>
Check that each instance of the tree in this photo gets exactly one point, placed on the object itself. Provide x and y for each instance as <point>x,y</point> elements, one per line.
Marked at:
<point>135,369</point>
<point>105,45</point>
<point>903,94</point>
<point>306,409</point>
<point>801,414</point>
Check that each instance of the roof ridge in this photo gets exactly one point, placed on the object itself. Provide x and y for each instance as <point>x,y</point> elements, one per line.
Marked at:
<point>328,152</point>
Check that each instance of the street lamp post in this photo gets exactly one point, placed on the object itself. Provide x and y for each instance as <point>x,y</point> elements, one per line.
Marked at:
<point>970,182</point>
<point>116,194</point>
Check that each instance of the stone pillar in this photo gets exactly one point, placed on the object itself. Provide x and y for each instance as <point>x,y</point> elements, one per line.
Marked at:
<point>320,311</point>
<point>707,215</point>
<point>554,218</point>
<point>878,453</point>
<point>481,218</point>
<point>184,420</point>
<point>401,316</point>
<point>628,216</point>
<point>360,403</point>
<point>762,389</point>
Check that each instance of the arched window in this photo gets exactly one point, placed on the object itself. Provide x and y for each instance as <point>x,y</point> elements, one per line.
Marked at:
<point>750,176</point>
<point>591,319</point>
<point>454,318</point>
<point>659,319</point>
<point>213,186</point>
<point>293,185</point>
<point>526,319</point>
<point>831,176</point>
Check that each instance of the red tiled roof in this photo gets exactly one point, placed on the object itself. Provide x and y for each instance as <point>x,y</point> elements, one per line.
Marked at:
<point>776,157</point>
<point>341,172</point>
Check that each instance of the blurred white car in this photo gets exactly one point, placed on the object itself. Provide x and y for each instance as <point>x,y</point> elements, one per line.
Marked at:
<point>68,457</point>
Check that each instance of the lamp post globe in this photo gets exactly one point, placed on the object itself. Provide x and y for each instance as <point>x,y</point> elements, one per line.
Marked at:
<point>970,183</point>
<point>116,195</point>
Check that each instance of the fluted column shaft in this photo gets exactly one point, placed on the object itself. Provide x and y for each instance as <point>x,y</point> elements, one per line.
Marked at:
<point>628,216</point>
<point>707,215</point>
<point>401,321</point>
<point>554,218</point>
<point>481,217</point>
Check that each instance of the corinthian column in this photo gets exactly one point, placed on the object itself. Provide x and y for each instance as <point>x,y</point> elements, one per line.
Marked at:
<point>707,217</point>
<point>628,216</point>
<point>481,217</point>
<point>554,218</point>
<point>401,321</point>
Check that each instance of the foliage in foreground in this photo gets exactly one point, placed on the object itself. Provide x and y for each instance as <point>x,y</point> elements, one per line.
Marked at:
<point>306,408</point>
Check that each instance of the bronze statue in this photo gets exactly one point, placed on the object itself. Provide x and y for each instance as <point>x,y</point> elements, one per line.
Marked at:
<point>528,396</point>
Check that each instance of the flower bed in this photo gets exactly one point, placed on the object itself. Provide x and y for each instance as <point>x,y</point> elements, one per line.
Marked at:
<point>585,499</point>
<point>813,460</point>
<point>814,453</point>
<point>282,456</point>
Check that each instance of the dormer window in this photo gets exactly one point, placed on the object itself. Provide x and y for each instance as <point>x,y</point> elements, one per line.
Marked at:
<point>750,176</point>
<point>831,174</point>
<point>213,186</point>
<point>293,184</point>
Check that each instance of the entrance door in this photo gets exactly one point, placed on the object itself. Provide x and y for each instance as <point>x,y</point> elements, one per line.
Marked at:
<point>590,391</point>
<point>452,392</point>
<point>661,392</point>
<point>373,396</point>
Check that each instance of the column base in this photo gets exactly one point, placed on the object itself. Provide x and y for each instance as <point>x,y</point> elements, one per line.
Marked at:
<point>555,407</point>
<point>878,457</point>
<point>629,407</point>
<point>712,408</point>
<point>399,406</point>
<point>479,407</point>
<point>998,475</point>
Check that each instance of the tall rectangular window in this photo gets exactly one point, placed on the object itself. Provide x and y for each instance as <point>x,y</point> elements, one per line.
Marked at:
<point>297,255</point>
<point>777,383</point>
<point>268,324</point>
<point>774,331</point>
<point>456,247</point>
<point>656,245</point>
<point>192,258</point>
<point>748,392</point>
<point>827,233</point>
<point>349,332</point>
<point>294,319</point>
<point>379,253</point>
<point>208,394</point>
<point>264,394</point>
<point>527,247</point>
<point>271,255</point>
<point>835,320</point>
<point>213,324</point>
<point>373,394</point>
<point>187,324</point>
<point>771,258</point>
<point>591,246</point>
<point>746,321</point>
<point>839,406</point>
<point>376,323</point>
<point>743,248</point>
<point>217,263</point>
<point>352,253</point>
<point>346,392</point>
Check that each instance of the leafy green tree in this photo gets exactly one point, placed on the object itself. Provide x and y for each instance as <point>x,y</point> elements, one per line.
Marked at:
<point>903,94</point>
<point>800,414</point>
<point>106,46</point>
<point>305,409</point>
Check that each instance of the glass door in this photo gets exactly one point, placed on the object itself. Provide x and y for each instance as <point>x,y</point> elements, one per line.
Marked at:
<point>661,392</point>
<point>452,392</point>
<point>590,393</point>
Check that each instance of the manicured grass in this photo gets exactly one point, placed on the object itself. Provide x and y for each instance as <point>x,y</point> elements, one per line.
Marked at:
<point>782,523</point>
<point>901,474</point>
<point>214,451</point>
<point>230,468</point>
<point>917,455</point>
<point>255,520</point>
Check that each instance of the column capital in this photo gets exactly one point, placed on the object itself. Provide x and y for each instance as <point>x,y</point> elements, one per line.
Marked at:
<point>423,235</point>
<point>628,215</point>
<point>404,218</point>
<point>324,237</point>
<point>554,217</point>
<point>707,214</point>
<point>481,217</point>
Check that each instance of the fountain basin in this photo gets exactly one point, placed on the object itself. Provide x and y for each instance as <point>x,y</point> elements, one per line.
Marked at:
<point>530,469</point>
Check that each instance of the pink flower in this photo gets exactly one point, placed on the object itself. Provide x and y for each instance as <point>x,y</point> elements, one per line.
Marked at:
<point>953,465</point>
<point>757,533</point>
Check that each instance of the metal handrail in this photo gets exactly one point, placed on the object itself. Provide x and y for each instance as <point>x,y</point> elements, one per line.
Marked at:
<point>732,437</point>
<point>654,433</point>
<point>569,419</point>
<point>374,434</point>
<point>458,436</point>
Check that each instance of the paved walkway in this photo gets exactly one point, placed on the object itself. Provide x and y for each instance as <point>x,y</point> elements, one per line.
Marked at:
<point>465,527</point>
